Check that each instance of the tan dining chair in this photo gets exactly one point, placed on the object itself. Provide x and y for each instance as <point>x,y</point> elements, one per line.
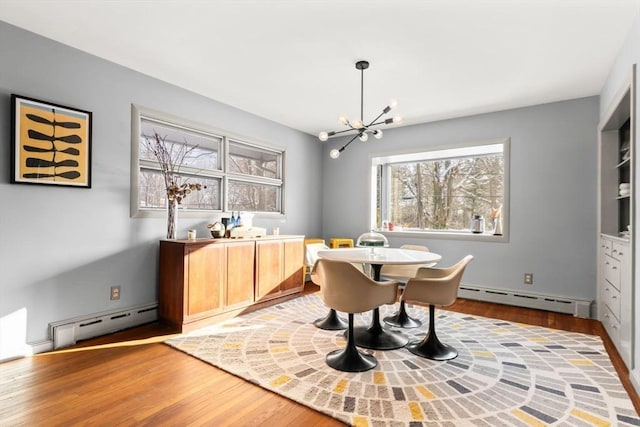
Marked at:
<point>401,318</point>
<point>332,321</point>
<point>345,288</point>
<point>435,286</point>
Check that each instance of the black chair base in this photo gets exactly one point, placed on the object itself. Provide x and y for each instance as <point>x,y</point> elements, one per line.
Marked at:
<point>401,319</point>
<point>350,359</point>
<point>431,347</point>
<point>331,322</point>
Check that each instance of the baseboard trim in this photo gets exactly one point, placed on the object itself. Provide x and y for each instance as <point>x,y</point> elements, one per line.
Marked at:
<point>67,332</point>
<point>575,306</point>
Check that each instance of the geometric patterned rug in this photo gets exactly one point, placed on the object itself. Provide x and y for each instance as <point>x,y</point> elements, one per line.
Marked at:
<point>506,374</point>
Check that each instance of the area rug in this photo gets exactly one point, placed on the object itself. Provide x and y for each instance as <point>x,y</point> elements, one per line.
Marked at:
<point>506,374</point>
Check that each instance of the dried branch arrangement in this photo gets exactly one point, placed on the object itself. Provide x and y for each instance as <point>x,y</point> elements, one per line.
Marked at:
<point>171,158</point>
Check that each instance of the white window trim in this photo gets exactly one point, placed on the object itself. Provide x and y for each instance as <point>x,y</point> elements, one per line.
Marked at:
<point>374,161</point>
<point>135,212</point>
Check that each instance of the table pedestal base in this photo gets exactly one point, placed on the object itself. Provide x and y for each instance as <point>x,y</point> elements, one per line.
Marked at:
<point>376,337</point>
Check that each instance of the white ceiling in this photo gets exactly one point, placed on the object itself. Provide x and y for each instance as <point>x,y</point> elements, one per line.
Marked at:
<point>292,61</point>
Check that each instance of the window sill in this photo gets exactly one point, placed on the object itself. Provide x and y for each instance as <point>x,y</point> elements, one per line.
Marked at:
<point>448,235</point>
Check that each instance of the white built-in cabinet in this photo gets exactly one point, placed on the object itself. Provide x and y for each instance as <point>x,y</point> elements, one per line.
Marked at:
<point>616,205</point>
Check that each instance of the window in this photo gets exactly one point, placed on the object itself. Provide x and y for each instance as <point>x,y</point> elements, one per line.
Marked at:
<point>235,174</point>
<point>438,191</point>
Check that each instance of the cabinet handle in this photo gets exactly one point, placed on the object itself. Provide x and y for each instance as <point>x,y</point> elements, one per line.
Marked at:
<point>620,253</point>
<point>615,251</point>
<point>614,297</point>
<point>614,326</point>
<point>614,267</point>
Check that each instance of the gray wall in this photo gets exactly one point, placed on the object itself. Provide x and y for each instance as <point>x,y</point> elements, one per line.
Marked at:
<point>62,248</point>
<point>553,195</point>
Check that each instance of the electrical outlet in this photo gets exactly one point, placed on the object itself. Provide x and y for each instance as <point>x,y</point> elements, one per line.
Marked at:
<point>528,278</point>
<point>115,292</point>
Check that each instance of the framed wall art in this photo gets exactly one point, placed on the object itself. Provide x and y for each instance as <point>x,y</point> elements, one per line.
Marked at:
<point>51,143</point>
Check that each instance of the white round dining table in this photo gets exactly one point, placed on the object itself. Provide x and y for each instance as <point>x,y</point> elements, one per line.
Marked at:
<point>375,336</point>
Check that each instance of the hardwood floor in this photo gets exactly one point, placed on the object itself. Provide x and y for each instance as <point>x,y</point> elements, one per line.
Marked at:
<point>131,378</point>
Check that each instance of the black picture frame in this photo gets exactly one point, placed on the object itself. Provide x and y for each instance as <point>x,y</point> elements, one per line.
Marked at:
<point>51,143</point>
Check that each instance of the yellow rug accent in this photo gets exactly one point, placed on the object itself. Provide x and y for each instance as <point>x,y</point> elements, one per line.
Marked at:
<point>282,379</point>
<point>500,331</point>
<point>539,339</point>
<point>279,349</point>
<point>425,392</point>
<point>231,345</point>
<point>379,378</point>
<point>581,362</point>
<point>486,354</point>
<point>590,418</point>
<point>416,411</point>
<point>527,419</point>
<point>360,422</point>
<point>341,386</point>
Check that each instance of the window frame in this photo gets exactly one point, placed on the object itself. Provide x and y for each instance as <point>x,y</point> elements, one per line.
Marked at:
<point>138,113</point>
<point>375,159</point>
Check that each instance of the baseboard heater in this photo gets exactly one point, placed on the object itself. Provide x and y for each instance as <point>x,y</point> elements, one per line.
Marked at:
<point>67,332</point>
<point>576,307</point>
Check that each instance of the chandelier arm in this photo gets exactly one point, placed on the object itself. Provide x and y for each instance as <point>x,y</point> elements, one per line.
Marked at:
<point>347,144</point>
<point>383,122</point>
<point>334,133</point>
<point>373,122</point>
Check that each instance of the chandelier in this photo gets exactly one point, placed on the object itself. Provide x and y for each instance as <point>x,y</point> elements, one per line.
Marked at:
<point>359,126</point>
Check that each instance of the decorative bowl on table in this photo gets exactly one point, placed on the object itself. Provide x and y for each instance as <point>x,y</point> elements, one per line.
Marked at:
<point>372,239</point>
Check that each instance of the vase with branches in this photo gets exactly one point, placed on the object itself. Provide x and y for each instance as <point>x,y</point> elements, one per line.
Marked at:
<point>171,157</point>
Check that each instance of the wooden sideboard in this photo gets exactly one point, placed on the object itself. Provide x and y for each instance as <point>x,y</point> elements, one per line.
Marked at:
<point>207,280</point>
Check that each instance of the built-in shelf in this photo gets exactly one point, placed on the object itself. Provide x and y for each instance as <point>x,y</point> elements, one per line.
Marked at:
<point>615,214</point>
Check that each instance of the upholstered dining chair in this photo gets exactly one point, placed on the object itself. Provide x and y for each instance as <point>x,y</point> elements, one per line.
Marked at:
<point>435,286</point>
<point>345,288</point>
<point>332,321</point>
<point>403,273</point>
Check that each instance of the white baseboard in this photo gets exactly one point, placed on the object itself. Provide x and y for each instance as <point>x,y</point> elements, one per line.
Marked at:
<point>575,306</point>
<point>67,332</point>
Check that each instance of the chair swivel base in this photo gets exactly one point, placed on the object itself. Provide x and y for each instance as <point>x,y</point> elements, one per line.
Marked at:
<point>401,319</point>
<point>431,348</point>
<point>350,359</point>
<point>331,322</point>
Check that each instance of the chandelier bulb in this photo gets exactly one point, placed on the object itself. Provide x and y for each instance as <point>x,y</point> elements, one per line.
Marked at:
<point>343,120</point>
<point>323,136</point>
<point>334,154</point>
<point>363,137</point>
<point>393,103</point>
<point>377,134</point>
<point>357,124</point>
<point>397,119</point>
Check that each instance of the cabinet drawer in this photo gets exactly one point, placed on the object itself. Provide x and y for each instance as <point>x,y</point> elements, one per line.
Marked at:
<point>612,326</point>
<point>611,297</point>
<point>612,271</point>
<point>605,246</point>
<point>618,250</point>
